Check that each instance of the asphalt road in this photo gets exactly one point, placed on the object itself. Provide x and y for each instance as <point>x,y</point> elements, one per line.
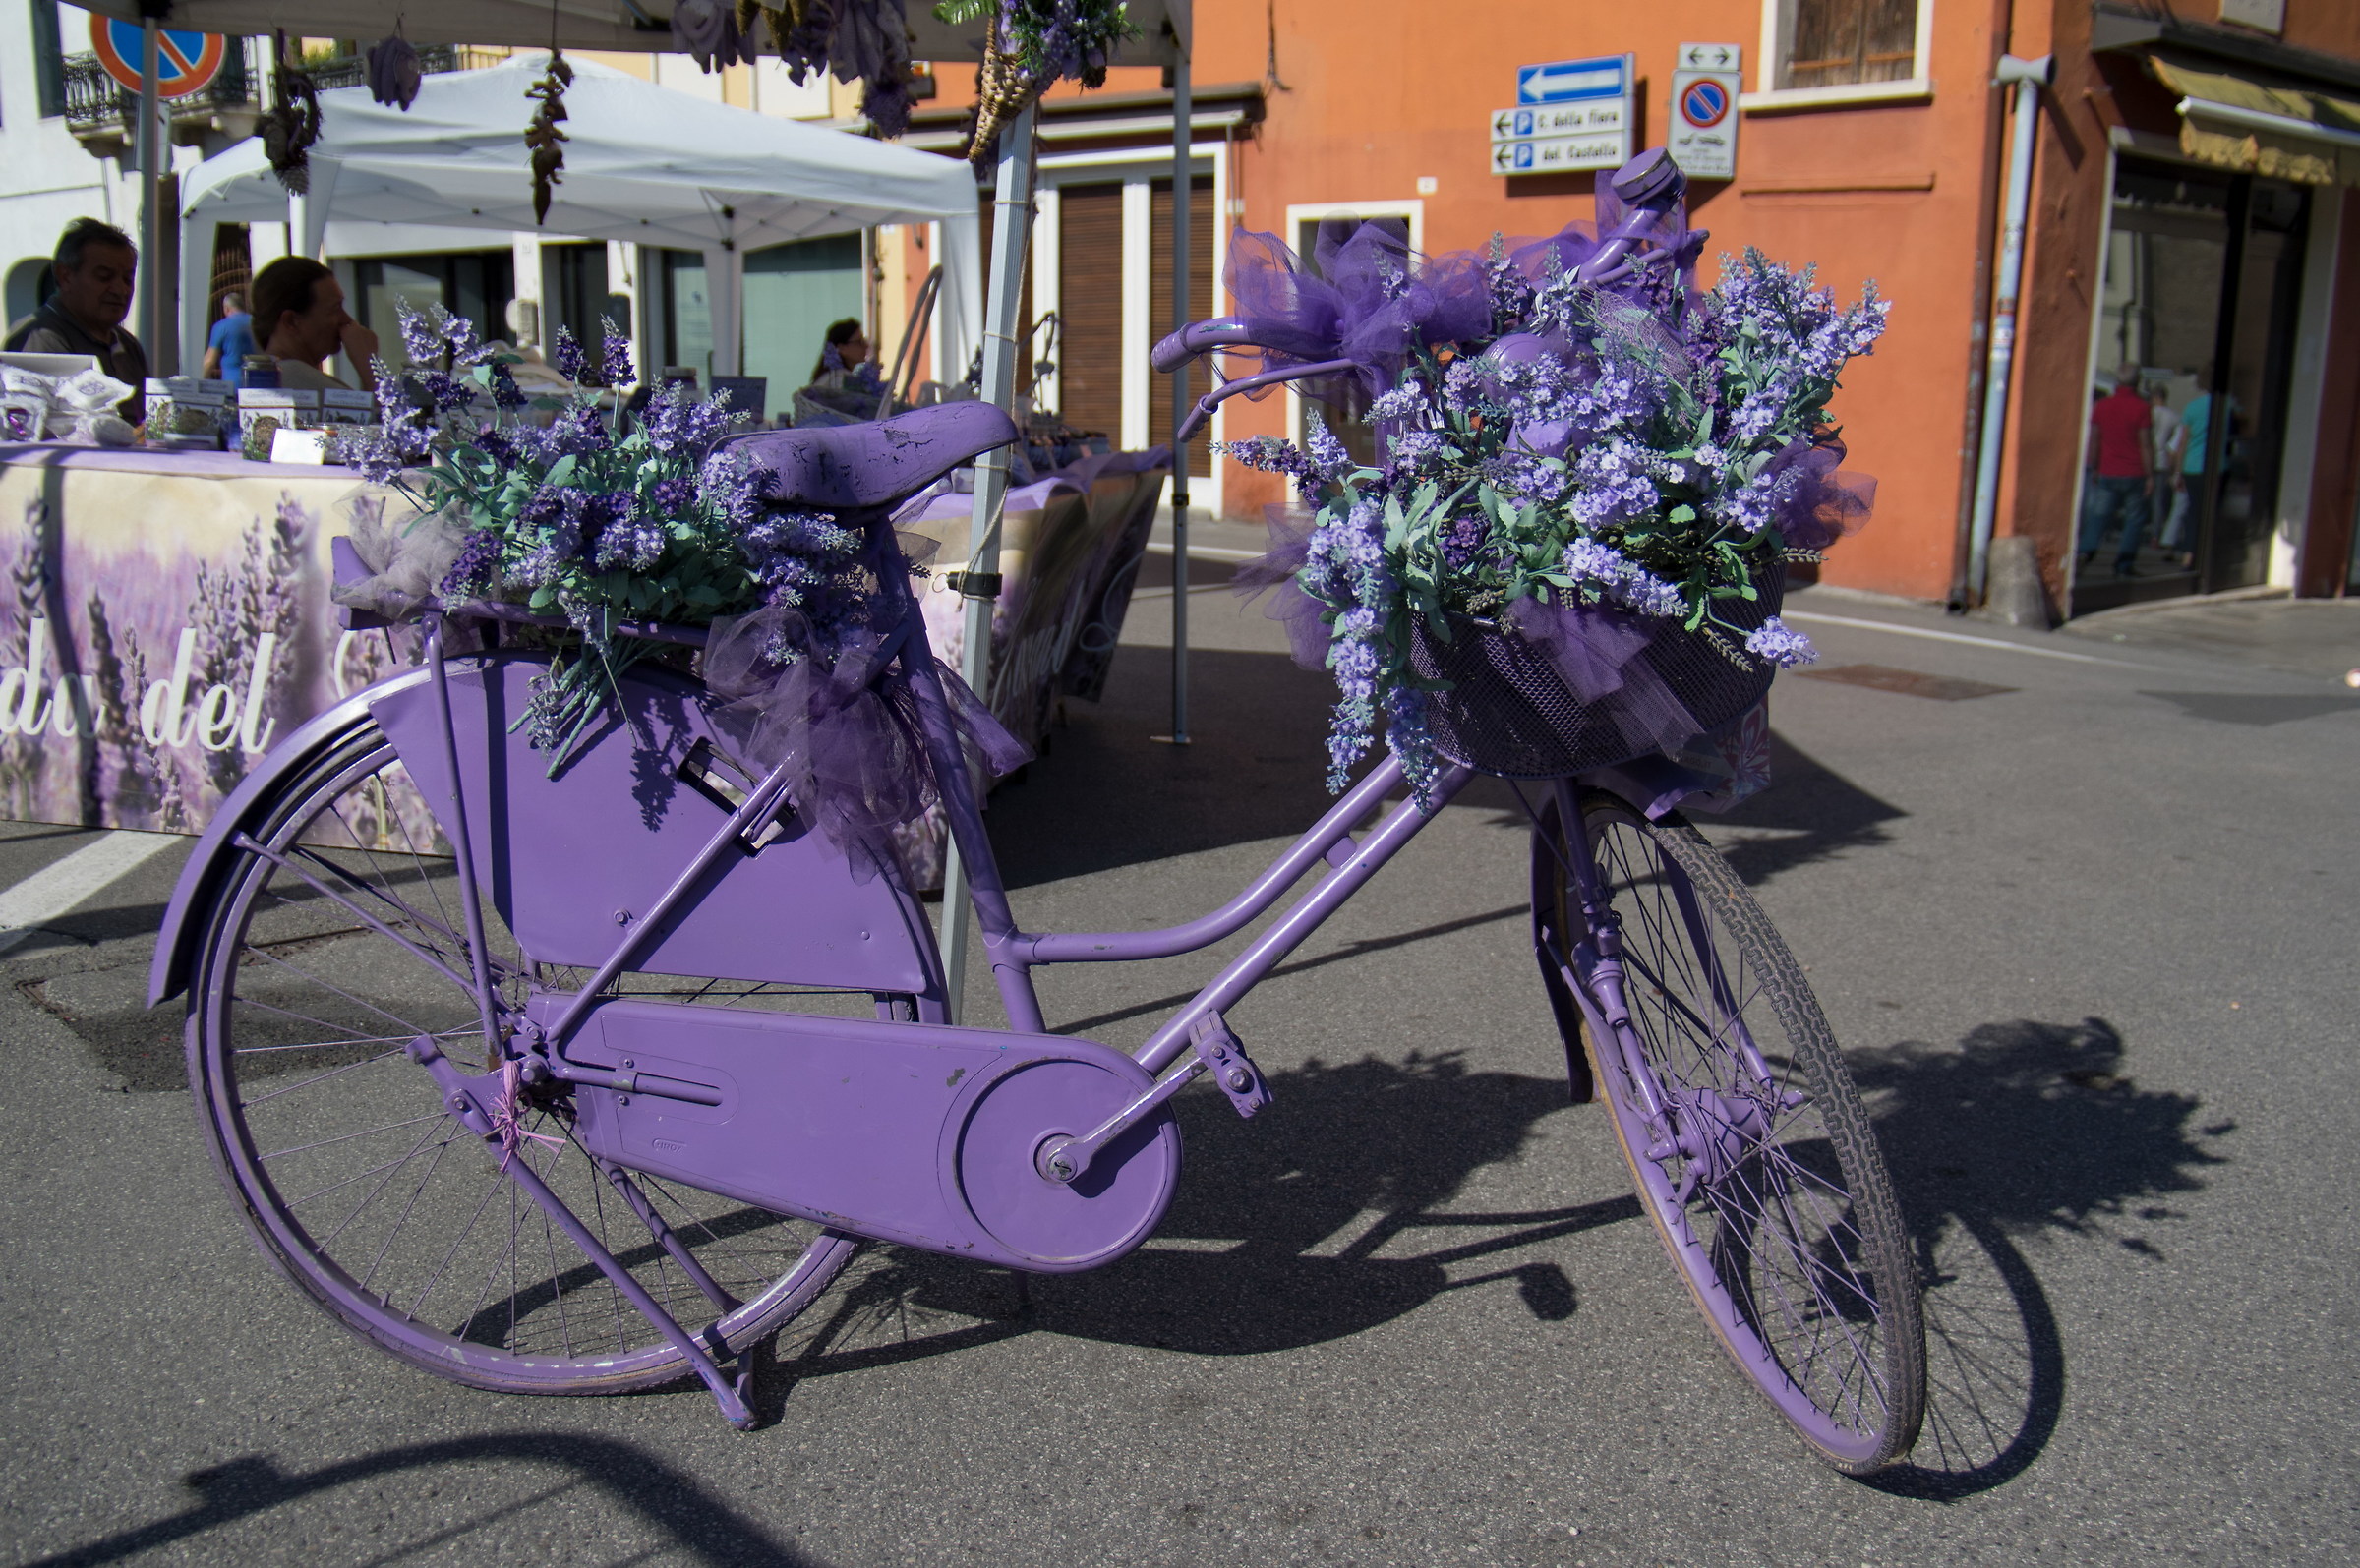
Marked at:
<point>2088,939</point>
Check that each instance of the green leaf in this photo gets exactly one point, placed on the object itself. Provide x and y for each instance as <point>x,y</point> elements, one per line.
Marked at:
<point>543,597</point>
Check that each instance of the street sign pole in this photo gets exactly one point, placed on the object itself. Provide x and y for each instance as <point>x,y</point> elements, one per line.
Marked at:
<point>151,275</point>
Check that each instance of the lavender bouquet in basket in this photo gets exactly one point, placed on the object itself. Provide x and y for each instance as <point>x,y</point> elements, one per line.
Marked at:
<point>1600,478</point>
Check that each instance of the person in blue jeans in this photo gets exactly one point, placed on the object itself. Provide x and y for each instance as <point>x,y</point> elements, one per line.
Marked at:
<point>231,341</point>
<point>2121,477</point>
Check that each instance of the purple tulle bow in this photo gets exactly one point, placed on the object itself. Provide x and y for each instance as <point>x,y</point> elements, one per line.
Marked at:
<point>843,719</point>
<point>1824,504</point>
<point>1366,298</point>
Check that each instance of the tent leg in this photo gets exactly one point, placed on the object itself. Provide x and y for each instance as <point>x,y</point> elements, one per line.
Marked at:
<point>1183,190</point>
<point>1011,233</point>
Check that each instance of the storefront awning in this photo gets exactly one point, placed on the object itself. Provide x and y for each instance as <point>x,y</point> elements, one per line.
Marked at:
<point>2287,133</point>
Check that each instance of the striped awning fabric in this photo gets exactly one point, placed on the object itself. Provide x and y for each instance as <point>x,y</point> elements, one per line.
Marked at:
<point>2287,133</point>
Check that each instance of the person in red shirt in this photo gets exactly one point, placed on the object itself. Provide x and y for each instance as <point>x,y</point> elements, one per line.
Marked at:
<point>2121,480</point>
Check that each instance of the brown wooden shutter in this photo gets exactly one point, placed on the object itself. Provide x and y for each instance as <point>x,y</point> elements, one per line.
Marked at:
<point>1090,292</point>
<point>1024,310</point>
<point>1200,304</point>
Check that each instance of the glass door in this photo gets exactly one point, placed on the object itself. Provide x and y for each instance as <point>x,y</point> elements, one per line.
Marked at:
<point>2202,276</point>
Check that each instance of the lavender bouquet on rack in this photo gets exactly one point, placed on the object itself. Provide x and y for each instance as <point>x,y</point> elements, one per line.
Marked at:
<point>1587,463</point>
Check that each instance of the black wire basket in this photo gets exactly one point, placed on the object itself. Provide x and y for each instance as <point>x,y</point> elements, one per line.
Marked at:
<point>1509,712</point>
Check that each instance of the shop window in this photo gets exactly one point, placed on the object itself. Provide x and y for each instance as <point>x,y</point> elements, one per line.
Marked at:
<point>30,286</point>
<point>48,60</point>
<point>475,284</point>
<point>687,332</point>
<point>2201,283</point>
<point>793,292</point>
<point>575,296</point>
<point>1844,43</point>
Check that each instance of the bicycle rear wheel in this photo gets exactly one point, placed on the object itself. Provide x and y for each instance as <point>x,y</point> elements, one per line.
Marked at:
<point>1748,1143</point>
<point>316,971</point>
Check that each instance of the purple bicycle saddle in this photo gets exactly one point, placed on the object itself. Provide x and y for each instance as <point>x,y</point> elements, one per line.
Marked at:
<point>845,466</point>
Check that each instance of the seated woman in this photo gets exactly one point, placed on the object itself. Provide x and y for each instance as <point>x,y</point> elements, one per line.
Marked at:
<point>843,364</point>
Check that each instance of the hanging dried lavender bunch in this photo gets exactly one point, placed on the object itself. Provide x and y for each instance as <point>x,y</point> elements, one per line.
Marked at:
<point>293,123</point>
<point>542,134</point>
<point>395,72</point>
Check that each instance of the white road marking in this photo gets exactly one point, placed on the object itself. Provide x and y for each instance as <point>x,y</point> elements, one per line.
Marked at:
<point>59,888</point>
<point>1958,637</point>
<point>1220,552</point>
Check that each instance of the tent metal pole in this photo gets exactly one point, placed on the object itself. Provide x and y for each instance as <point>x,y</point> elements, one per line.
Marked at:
<point>1183,191</point>
<point>150,284</point>
<point>1011,233</point>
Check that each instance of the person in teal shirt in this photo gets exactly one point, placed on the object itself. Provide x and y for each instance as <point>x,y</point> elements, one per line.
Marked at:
<point>231,341</point>
<point>2196,425</point>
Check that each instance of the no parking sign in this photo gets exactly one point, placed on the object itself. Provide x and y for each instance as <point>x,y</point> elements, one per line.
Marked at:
<point>184,61</point>
<point>1704,110</point>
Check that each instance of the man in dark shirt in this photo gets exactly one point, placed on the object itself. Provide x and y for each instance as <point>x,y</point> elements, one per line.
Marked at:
<point>2121,471</point>
<point>95,267</point>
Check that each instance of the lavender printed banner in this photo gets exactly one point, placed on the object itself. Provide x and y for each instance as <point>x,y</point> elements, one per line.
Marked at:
<point>164,621</point>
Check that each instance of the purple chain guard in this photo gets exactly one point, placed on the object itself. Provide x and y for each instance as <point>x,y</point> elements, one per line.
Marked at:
<point>918,1134</point>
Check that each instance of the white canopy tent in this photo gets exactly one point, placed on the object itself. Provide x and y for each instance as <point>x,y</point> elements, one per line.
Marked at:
<point>644,164</point>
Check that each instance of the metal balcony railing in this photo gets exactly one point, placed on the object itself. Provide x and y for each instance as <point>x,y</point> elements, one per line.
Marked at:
<point>97,102</point>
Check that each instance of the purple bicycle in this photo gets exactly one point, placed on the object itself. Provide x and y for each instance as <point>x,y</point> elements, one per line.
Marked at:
<point>590,1082</point>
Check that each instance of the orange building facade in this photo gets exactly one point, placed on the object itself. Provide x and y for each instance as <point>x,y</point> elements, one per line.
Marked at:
<point>1871,142</point>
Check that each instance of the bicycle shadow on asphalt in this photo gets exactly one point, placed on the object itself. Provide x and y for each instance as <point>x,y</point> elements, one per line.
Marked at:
<point>2089,1153</point>
<point>694,1522</point>
<point>1267,1245</point>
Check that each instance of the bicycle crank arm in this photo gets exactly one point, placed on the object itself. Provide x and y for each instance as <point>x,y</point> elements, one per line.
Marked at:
<point>1217,1050</point>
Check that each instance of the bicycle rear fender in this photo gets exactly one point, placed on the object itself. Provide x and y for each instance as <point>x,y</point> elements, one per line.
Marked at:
<point>175,942</point>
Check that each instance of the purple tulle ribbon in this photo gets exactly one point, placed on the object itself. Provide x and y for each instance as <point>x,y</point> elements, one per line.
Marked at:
<point>1824,504</point>
<point>1366,300</point>
<point>1301,615</point>
<point>842,716</point>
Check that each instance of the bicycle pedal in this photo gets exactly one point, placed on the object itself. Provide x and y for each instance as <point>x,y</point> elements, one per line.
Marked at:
<point>1224,1056</point>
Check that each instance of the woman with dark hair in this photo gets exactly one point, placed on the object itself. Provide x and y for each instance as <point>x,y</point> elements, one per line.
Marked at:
<point>844,359</point>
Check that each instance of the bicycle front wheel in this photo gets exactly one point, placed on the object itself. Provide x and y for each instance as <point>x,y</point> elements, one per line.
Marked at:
<point>1748,1143</point>
<point>337,935</point>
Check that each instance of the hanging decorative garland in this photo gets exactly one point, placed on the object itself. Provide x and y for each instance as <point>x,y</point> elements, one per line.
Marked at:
<point>542,135</point>
<point>293,123</point>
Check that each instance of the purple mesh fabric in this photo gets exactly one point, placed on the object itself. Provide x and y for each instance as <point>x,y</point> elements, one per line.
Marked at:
<point>845,722</point>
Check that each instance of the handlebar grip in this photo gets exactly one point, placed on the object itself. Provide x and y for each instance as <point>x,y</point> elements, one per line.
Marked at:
<point>1194,339</point>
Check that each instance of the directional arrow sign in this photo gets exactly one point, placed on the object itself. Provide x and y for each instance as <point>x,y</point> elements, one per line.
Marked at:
<point>1555,119</point>
<point>1574,81</point>
<point>1561,154</point>
<point>1711,57</point>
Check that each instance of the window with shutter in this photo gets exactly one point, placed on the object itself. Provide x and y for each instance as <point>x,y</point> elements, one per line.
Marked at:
<point>1201,303</point>
<point>1090,271</point>
<point>1838,42</point>
<point>1024,299</point>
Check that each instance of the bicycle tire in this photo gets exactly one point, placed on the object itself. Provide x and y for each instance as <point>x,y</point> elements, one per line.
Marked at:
<point>278,962</point>
<point>1787,1223</point>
